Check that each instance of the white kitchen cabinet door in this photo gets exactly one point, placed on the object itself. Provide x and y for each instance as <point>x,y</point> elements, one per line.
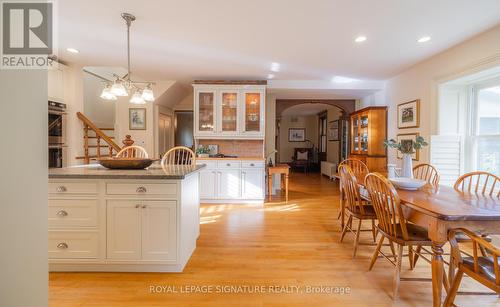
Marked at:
<point>208,184</point>
<point>123,229</point>
<point>252,184</point>
<point>205,114</point>
<point>159,230</point>
<point>253,113</point>
<point>55,85</point>
<point>229,184</point>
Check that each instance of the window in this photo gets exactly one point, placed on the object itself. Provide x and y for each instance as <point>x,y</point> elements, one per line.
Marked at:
<point>468,136</point>
<point>485,127</point>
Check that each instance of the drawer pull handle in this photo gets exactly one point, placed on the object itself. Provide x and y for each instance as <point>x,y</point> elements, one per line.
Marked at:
<point>62,245</point>
<point>228,164</point>
<point>61,189</point>
<point>251,164</point>
<point>141,190</point>
<point>62,213</point>
<point>137,206</point>
<point>144,206</point>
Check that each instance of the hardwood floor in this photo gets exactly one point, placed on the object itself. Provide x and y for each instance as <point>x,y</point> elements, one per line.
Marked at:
<point>287,245</point>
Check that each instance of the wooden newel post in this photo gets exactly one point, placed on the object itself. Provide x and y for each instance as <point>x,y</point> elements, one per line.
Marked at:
<point>128,142</point>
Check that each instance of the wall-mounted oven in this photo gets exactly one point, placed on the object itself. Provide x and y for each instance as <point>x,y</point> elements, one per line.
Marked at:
<point>57,134</point>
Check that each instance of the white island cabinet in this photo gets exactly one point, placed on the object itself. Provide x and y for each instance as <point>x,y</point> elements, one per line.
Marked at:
<point>128,220</point>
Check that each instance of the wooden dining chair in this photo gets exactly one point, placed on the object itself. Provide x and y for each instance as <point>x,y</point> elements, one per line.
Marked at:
<point>179,155</point>
<point>480,183</point>
<point>133,151</point>
<point>426,172</point>
<point>357,207</point>
<point>392,225</point>
<point>484,269</point>
<point>359,169</point>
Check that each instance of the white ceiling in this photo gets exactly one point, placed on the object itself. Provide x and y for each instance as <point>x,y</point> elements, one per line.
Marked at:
<point>306,109</point>
<point>239,39</point>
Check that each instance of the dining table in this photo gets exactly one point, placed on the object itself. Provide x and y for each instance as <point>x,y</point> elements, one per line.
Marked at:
<point>439,209</point>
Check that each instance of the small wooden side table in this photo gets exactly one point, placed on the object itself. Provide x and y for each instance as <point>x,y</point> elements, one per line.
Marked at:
<point>283,170</point>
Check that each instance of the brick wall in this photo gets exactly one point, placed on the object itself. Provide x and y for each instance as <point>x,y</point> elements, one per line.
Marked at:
<point>240,148</point>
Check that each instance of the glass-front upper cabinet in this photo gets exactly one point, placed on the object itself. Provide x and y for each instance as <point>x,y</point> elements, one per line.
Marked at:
<point>205,111</point>
<point>253,115</point>
<point>229,111</point>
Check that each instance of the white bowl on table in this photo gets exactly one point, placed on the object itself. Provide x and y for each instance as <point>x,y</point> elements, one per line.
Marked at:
<point>408,183</point>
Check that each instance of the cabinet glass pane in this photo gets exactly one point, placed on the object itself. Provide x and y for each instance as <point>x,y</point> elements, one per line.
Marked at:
<point>206,112</point>
<point>252,112</point>
<point>229,111</point>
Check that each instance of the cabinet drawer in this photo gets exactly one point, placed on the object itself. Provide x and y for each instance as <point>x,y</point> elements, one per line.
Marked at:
<point>73,244</point>
<point>209,164</point>
<point>252,164</point>
<point>61,187</point>
<point>169,189</point>
<point>229,164</point>
<point>73,212</point>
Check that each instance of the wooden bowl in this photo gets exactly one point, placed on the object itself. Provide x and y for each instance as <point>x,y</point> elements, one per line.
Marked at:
<point>125,163</point>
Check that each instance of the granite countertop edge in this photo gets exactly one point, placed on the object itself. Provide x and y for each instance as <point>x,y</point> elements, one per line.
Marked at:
<point>93,172</point>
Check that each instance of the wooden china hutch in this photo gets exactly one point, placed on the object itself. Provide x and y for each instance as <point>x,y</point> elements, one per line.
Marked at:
<point>368,133</point>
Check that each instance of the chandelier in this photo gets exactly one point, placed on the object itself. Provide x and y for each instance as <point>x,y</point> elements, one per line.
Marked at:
<point>124,86</point>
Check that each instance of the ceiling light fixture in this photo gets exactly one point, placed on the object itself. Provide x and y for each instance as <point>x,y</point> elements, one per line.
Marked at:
<point>360,39</point>
<point>340,79</point>
<point>106,93</point>
<point>275,67</point>
<point>137,98</point>
<point>72,50</point>
<point>424,39</point>
<point>122,86</point>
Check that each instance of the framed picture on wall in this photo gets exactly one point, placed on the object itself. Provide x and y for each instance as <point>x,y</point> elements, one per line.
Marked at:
<point>409,114</point>
<point>410,138</point>
<point>137,118</point>
<point>333,131</point>
<point>297,135</point>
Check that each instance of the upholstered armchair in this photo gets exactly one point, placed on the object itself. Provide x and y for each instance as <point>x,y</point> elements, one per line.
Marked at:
<point>302,158</point>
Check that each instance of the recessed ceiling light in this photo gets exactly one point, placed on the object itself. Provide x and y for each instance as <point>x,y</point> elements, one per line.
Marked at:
<point>360,39</point>
<point>72,50</point>
<point>340,79</point>
<point>424,39</point>
<point>270,76</point>
<point>275,66</point>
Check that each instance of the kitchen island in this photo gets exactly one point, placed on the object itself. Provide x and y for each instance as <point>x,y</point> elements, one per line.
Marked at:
<point>123,220</point>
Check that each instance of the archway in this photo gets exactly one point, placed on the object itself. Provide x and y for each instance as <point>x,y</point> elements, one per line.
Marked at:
<point>314,118</point>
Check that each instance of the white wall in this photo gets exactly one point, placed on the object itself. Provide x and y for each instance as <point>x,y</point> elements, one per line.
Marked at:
<point>73,97</point>
<point>310,123</point>
<point>98,110</point>
<point>186,104</point>
<point>23,188</point>
<point>332,152</point>
<point>270,138</point>
<point>421,82</point>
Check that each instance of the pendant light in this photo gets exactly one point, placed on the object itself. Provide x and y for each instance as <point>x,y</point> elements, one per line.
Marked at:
<point>107,94</point>
<point>122,86</point>
<point>137,98</point>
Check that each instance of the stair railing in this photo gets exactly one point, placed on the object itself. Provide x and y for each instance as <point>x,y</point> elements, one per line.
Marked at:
<point>100,135</point>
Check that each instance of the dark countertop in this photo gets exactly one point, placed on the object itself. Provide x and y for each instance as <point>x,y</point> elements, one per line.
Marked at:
<point>96,171</point>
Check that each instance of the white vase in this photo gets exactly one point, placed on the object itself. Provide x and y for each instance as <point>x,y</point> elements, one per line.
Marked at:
<point>407,171</point>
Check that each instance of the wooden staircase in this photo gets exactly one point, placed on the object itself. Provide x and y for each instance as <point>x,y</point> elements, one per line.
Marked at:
<point>96,143</point>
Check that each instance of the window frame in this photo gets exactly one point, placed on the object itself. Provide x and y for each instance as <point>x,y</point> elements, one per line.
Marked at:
<point>472,136</point>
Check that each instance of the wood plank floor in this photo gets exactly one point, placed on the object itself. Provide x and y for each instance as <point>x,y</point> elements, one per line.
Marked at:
<point>278,246</point>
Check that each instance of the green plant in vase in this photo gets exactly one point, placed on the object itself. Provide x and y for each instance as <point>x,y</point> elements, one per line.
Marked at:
<point>407,148</point>
<point>202,151</point>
